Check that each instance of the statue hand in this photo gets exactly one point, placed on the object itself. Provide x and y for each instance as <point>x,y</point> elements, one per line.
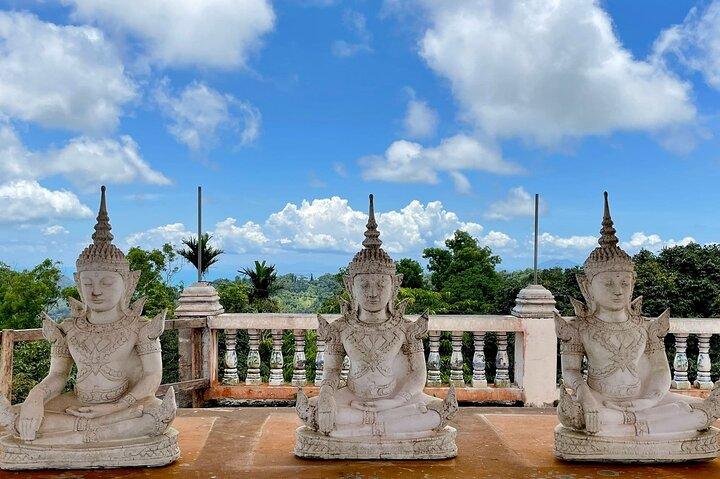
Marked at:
<point>96,410</point>
<point>634,405</point>
<point>31,416</point>
<point>378,405</point>
<point>590,408</point>
<point>326,409</point>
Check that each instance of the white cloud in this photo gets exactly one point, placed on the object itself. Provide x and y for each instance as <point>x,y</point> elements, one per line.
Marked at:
<point>547,70</point>
<point>409,162</point>
<point>498,240</point>
<point>517,203</point>
<point>357,24</point>
<point>27,201</point>
<point>217,33</point>
<point>239,239</point>
<point>695,42</point>
<point>156,237</point>
<point>653,242</point>
<point>199,114</point>
<point>420,120</point>
<point>583,243</point>
<point>54,230</point>
<point>84,161</point>
<point>66,77</point>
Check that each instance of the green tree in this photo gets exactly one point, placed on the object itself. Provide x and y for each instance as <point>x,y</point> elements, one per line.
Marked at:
<point>156,271</point>
<point>262,280</point>
<point>25,294</point>
<point>412,273</point>
<point>465,272</point>
<point>234,296</point>
<point>210,255</point>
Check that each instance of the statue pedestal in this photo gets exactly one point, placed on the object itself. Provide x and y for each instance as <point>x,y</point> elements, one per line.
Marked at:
<point>314,445</point>
<point>149,452</point>
<point>571,445</point>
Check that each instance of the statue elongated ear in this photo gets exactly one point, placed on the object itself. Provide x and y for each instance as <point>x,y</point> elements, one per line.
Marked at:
<point>347,282</point>
<point>584,284</point>
<point>78,286</point>
<point>398,280</point>
<point>130,285</point>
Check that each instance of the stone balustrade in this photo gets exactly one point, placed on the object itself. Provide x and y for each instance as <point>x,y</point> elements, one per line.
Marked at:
<point>683,329</point>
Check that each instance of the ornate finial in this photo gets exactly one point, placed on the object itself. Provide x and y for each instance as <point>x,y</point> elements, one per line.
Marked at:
<point>607,232</point>
<point>102,233</point>
<point>372,235</point>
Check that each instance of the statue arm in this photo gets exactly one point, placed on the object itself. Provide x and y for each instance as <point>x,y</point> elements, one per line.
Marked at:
<point>149,350</point>
<point>571,352</point>
<point>415,352</point>
<point>334,353</point>
<point>60,362</point>
<point>659,376</point>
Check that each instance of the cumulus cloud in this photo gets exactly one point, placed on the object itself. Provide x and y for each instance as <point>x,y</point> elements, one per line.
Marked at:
<point>582,243</point>
<point>84,161</point>
<point>517,203</point>
<point>199,114</point>
<point>331,225</point>
<point>217,33</point>
<point>653,242</point>
<point>547,71</point>
<point>695,43</point>
<point>420,120</point>
<point>357,25</point>
<point>66,77</point>
<point>409,162</point>
<point>27,201</point>
<point>54,230</point>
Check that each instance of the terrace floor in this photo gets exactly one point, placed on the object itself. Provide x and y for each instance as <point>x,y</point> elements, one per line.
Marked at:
<point>258,443</point>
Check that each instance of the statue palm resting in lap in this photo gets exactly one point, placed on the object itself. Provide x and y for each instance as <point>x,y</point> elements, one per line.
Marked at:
<point>118,359</point>
<point>627,391</point>
<point>383,398</point>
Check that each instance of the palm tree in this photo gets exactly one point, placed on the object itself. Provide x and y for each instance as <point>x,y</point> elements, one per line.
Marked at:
<point>209,253</point>
<point>262,278</point>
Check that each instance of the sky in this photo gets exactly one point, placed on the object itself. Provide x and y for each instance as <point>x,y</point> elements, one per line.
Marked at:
<point>289,113</point>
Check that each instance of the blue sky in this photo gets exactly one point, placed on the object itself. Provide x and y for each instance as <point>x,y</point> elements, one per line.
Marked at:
<point>289,113</point>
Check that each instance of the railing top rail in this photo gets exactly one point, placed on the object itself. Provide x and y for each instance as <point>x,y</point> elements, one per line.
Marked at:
<point>690,325</point>
<point>438,322</point>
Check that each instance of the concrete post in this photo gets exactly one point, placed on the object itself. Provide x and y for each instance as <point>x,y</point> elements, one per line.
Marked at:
<point>536,346</point>
<point>199,300</point>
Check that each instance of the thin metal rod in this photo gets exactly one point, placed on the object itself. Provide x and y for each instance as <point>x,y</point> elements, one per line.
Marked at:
<point>535,253</point>
<point>199,243</point>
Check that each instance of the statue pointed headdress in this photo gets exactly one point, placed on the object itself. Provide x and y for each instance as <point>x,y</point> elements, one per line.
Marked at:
<point>608,256</point>
<point>372,258</point>
<point>102,255</point>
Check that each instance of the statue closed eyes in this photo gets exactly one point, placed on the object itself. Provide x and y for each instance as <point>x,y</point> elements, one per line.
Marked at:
<point>624,411</point>
<point>112,417</point>
<point>382,412</point>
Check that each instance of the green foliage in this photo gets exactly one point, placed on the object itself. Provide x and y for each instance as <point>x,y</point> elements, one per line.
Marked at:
<point>157,268</point>
<point>421,300</point>
<point>299,294</point>
<point>209,255</point>
<point>234,296</point>
<point>262,279</point>
<point>412,273</point>
<point>25,294</point>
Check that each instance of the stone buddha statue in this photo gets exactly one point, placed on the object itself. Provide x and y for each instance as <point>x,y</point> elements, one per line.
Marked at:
<point>111,418</point>
<point>382,411</point>
<point>624,410</point>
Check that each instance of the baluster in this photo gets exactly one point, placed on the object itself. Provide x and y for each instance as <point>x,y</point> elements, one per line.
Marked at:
<point>299,378</point>
<point>230,375</point>
<point>344,371</point>
<point>276,359</point>
<point>253,359</point>
<point>704,365</point>
<point>433,362</point>
<point>502,362</point>
<point>319,362</point>
<point>456,360</point>
<point>479,380</point>
<point>680,364</point>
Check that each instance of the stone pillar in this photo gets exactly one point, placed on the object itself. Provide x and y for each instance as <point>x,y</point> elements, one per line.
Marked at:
<point>276,359</point>
<point>197,301</point>
<point>230,373</point>
<point>299,378</point>
<point>320,362</point>
<point>502,361</point>
<point>253,358</point>
<point>456,360</point>
<point>704,365</point>
<point>536,346</point>
<point>680,364</point>
<point>344,371</point>
<point>479,380</point>
<point>433,361</point>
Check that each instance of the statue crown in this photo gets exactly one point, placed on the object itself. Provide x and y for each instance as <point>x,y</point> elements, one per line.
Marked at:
<point>372,259</point>
<point>102,255</point>
<point>608,256</point>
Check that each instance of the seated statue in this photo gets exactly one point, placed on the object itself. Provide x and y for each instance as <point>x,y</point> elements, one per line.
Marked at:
<point>624,410</point>
<point>112,417</point>
<point>382,411</point>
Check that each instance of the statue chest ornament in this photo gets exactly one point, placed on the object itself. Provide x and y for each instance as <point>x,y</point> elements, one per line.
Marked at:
<point>372,356</point>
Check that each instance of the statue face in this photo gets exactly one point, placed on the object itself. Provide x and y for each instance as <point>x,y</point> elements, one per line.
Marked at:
<point>372,292</point>
<point>611,290</point>
<point>101,290</point>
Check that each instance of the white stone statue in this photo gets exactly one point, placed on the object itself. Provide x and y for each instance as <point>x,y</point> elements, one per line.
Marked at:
<point>624,410</point>
<point>382,411</point>
<point>112,417</point>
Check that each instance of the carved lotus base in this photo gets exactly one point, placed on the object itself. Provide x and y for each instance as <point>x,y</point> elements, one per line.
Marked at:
<point>154,451</point>
<point>571,445</point>
<point>312,444</point>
